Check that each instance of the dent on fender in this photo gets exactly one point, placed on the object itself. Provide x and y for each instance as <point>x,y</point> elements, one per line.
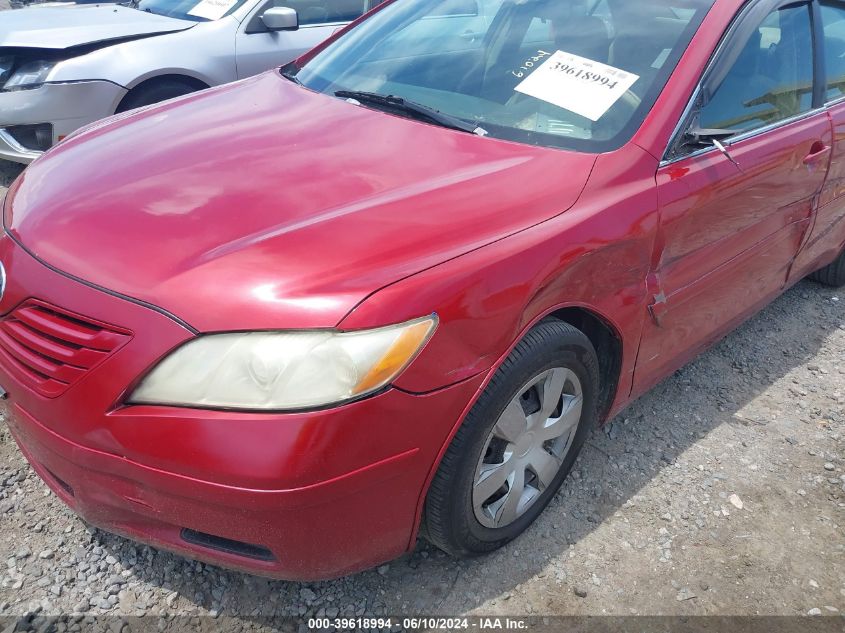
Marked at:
<point>595,256</point>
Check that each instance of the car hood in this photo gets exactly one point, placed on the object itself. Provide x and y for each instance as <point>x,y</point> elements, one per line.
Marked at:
<point>263,205</point>
<point>77,25</point>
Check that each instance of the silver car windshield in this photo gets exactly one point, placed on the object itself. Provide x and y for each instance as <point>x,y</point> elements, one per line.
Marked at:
<point>196,10</point>
<point>571,74</point>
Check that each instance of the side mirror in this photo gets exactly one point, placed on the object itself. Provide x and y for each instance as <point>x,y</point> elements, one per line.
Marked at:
<point>280,19</point>
<point>705,136</point>
<point>709,136</point>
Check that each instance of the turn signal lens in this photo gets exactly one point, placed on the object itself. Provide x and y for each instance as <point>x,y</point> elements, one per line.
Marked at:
<point>398,356</point>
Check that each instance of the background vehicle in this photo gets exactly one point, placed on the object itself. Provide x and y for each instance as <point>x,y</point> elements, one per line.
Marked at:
<point>63,67</point>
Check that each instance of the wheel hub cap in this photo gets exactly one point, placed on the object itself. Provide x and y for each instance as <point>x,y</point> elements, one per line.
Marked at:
<point>527,446</point>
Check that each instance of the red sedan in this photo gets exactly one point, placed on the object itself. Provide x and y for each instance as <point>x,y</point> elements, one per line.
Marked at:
<point>288,324</point>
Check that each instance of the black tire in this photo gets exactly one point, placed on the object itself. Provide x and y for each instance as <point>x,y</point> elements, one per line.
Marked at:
<point>833,274</point>
<point>154,92</point>
<point>449,521</point>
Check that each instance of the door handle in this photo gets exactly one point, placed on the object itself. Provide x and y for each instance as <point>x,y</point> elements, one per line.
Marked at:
<point>818,153</point>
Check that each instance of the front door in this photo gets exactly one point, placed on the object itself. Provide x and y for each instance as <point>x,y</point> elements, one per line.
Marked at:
<point>732,221</point>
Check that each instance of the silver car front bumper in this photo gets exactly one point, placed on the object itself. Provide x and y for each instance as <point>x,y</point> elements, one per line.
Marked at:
<point>67,106</point>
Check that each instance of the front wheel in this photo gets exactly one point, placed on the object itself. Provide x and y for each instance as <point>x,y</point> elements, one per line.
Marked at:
<point>517,444</point>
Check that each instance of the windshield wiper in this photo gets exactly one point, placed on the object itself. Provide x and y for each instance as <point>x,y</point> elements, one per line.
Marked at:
<point>424,112</point>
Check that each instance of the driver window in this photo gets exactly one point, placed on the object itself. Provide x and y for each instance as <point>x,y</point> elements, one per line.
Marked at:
<point>326,11</point>
<point>771,80</point>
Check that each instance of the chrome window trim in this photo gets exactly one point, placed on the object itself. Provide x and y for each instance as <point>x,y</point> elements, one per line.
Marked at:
<point>685,115</point>
<point>684,119</point>
<point>744,136</point>
<point>320,25</point>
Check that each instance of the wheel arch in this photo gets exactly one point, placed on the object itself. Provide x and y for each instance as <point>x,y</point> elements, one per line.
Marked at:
<point>173,72</point>
<point>607,342</point>
<point>143,83</point>
<point>603,334</point>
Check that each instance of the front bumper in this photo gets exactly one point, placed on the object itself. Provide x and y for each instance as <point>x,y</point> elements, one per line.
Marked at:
<point>297,496</point>
<point>322,530</point>
<point>67,106</point>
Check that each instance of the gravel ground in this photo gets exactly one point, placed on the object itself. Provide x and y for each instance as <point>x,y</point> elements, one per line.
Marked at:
<point>721,492</point>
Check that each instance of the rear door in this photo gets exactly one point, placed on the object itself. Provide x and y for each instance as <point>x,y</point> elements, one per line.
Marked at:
<point>733,221</point>
<point>827,236</point>
<point>258,49</point>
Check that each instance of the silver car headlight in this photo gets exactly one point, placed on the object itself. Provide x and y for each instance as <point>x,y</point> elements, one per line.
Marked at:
<point>280,371</point>
<point>29,75</point>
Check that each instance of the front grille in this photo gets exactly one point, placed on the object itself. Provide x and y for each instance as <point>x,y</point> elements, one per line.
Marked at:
<point>50,349</point>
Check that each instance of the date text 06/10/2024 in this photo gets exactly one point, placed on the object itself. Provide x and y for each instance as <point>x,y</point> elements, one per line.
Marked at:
<point>419,624</point>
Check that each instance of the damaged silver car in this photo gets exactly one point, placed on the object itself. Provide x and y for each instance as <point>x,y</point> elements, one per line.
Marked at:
<point>62,67</point>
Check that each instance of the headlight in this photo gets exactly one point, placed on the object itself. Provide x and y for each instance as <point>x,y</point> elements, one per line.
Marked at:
<point>277,371</point>
<point>29,75</point>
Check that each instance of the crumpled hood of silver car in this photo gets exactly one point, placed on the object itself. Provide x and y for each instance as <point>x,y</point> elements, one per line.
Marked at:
<point>76,25</point>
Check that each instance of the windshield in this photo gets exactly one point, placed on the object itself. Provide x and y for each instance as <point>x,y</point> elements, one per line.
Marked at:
<point>196,10</point>
<point>572,74</point>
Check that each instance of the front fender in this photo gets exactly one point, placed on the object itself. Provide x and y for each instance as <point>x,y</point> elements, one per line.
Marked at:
<point>595,256</point>
<point>205,52</point>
